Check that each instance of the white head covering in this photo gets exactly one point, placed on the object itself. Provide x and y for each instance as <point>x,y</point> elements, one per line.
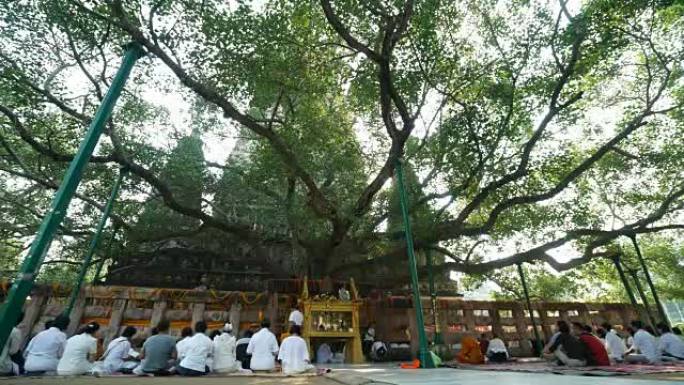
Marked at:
<point>228,327</point>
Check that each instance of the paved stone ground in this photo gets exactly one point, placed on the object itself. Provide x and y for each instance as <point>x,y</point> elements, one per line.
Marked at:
<point>168,381</point>
<point>367,375</point>
<point>394,376</point>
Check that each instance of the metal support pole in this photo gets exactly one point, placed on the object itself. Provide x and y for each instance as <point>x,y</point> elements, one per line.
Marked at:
<point>659,305</point>
<point>21,287</point>
<point>423,354</point>
<point>100,264</point>
<point>642,294</point>
<point>108,254</point>
<point>433,299</point>
<point>94,242</point>
<point>625,282</point>
<point>529,309</point>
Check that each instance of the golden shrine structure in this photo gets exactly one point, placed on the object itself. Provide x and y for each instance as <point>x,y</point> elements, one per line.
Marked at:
<point>331,319</point>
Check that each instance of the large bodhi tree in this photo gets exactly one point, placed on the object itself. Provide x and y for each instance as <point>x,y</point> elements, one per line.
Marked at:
<point>529,126</point>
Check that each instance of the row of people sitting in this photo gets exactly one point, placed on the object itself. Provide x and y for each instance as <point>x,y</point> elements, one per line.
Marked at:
<point>580,347</point>
<point>194,354</point>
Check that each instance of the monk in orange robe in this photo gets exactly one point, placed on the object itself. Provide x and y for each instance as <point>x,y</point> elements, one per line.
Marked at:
<point>470,352</point>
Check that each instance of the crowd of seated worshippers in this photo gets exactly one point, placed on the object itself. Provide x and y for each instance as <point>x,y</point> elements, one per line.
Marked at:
<point>194,354</point>
<point>576,345</point>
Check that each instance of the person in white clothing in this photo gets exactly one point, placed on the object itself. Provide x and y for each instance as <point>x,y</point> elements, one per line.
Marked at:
<point>12,347</point>
<point>645,343</point>
<point>614,344</point>
<point>182,344</point>
<point>296,317</point>
<point>224,351</point>
<point>263,347</point>
<point>79,353</point>
<point>294,353</point>
<point>670,345</point>
<point>198,353</point>
<point>496,350</point>
<point>118,351</point>
<point>46,348</point>
<point>324,354</point>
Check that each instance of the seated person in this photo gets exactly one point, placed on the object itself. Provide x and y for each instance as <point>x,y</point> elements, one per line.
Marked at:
<point>378,351</point>
<point>568,349</point>
<point>670,345</point>
<point>8,365</point>
<point>46,348</point>
<point>294,353</point>
<point>615,346</point>
<point>79,353</point>
<point>224,351</point>
<point>645,343</point>
<point>159,351</point>
<point>263,347</point>
<point>470,351</point>
<point>678,332</point>
<point>598,356</point>
<point>182,344</point>
<point>484,343</point>
<point>496,350</point>
<point>118,351</point>
<point>199,351</point>
<point>241,349</point>
<point>324,354</point>
<point>368,339</point>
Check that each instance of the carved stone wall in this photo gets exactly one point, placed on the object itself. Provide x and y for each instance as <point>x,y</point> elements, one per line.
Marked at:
<point>115,307</point>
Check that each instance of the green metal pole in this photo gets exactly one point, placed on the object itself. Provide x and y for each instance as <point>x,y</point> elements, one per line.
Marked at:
<point>433,299</point>
<point>21,287</point>
<point>423,353</point>
<point>659,305</point>
<point>94,242</point>
<point>529,309</point>
<point>642,294</point>
<point>100,264</point>
<point>625,282</point>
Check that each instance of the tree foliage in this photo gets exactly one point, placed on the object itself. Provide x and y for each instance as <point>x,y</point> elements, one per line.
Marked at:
<point>539,124</point>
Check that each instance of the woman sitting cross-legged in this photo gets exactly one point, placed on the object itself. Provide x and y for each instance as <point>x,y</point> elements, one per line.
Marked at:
<point>79,353</point>
<point>118,352</point>
<point>294,353</point>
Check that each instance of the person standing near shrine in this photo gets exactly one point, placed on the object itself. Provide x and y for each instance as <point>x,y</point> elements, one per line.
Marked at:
<point>294,353</point>
<point>296,317</point>
<point>263,347</point>
<point>80,351</point>
<point>46,348</point>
